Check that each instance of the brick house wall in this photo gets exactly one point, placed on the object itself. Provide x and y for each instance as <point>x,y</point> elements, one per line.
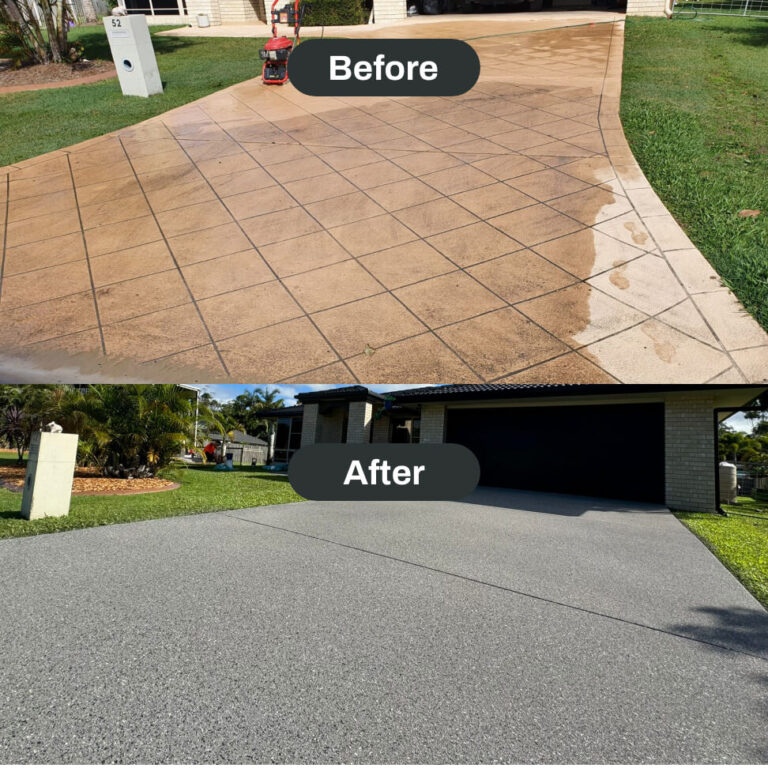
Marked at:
<point>689,452</point>
<point>330,426</point>
<point>309,424</point>
<point>239,11</point>
<point>689,441</point>
<point>209,7</point>
<point>359,426</point>
<point>380,430</point>
<point>432,423</point>
<point>389,10</point>
<point>645,7</point>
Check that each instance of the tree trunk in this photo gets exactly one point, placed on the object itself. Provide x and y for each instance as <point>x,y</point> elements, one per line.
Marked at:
<point>53,33</point>
<point>22,22</point>
<point>62,24</point>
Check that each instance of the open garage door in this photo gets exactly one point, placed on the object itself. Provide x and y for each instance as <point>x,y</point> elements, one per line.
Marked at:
<point>613,451</point>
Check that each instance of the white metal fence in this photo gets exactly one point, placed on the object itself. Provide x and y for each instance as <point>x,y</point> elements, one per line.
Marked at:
<point>155,7</point>
<point>749,8</point>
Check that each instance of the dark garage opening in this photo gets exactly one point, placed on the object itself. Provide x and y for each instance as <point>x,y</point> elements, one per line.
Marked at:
<point>611,451</point>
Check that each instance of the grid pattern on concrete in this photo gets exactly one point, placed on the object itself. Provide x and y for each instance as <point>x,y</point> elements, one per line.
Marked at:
<point>259,234</point>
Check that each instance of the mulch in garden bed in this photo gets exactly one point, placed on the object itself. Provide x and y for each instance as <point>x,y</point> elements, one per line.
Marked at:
<point>88,482</point>
<point>51,75</point>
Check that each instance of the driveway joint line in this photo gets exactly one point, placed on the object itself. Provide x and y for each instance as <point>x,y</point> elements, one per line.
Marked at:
<point>306,314</point>
<point>87,257</point>
<point>499,587</point>
<point>431,330</point>
<point>5,227</point>
<point>173,256</point>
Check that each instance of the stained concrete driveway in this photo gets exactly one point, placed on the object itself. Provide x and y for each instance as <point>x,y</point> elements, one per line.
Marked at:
<point>514,627</point>
<point>260,234</point>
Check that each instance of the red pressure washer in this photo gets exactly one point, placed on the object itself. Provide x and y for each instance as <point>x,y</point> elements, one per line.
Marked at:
<point>277,50</point>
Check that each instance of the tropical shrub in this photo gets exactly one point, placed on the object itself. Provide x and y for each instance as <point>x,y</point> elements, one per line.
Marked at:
<point>129,430</point>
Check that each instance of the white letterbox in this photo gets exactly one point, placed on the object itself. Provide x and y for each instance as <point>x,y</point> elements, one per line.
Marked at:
<point>133,55</point>
<point>50,469</point>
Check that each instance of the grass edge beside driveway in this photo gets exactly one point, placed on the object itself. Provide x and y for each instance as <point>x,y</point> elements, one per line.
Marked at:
<point>694,108</point>
<point>739,543</point>
<point>35,122</point>
<point>203,489</point>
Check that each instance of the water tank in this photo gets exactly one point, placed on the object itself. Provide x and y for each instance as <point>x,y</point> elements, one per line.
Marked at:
<point>728,483</point>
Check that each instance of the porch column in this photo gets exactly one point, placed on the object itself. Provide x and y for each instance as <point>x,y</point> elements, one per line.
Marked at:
<point>310,420</point>
<point>689,455</point>
<point>271,441</point>
<point>432,423</point>
<point>359,424</point>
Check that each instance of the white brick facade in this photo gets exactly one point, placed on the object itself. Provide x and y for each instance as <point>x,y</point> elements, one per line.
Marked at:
<point>645,7</point>
<point>209,7</point>
<point>238,11</point>
<point>389,10</point>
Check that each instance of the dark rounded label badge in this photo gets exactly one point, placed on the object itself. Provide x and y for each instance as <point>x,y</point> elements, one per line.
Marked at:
<point>384,472</point>
<point>437,67</point>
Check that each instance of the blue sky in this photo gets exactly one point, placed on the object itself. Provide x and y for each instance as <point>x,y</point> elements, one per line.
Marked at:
<point>224,392</point>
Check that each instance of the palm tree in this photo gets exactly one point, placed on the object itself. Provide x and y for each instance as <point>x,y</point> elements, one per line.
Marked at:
<point>268,398</point>
<point>245,408</point>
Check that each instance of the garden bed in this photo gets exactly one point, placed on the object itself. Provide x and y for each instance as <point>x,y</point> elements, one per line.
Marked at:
<point>37,76</point>
<point>46,119</point>
<point>88,482</point>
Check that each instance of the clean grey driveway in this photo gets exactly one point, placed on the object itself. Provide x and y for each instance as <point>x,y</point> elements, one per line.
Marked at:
<point>514,627</point>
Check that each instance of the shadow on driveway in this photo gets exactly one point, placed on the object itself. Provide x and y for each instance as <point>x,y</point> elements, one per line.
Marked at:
<point>556,503</point>
<point>742,629</point>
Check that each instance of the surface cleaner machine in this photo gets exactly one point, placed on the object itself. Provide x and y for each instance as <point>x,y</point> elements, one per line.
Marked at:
<point>277,50</point>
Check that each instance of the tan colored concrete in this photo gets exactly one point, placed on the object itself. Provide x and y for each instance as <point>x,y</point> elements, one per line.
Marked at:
<point>260,234</point>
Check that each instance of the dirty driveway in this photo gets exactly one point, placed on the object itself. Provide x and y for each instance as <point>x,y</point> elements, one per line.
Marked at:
<point>259,234</point>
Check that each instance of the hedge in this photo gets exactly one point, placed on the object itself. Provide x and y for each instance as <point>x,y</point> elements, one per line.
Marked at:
<point>336,12</point>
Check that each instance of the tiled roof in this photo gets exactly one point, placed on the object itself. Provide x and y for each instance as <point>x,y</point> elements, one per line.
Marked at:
<point>353,393</point>
<point>514,391</point>
<point>290,410</point>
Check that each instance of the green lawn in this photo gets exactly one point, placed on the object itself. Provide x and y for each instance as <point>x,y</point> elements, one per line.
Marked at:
<point>695,112</point>
<point>740,543</point>
<point>202,490</point>
<point>746,505</point>
<point>34,122</point>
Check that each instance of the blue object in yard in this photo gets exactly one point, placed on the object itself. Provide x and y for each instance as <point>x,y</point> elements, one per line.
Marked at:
<point>276,467</point>
<point>224,468</point>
